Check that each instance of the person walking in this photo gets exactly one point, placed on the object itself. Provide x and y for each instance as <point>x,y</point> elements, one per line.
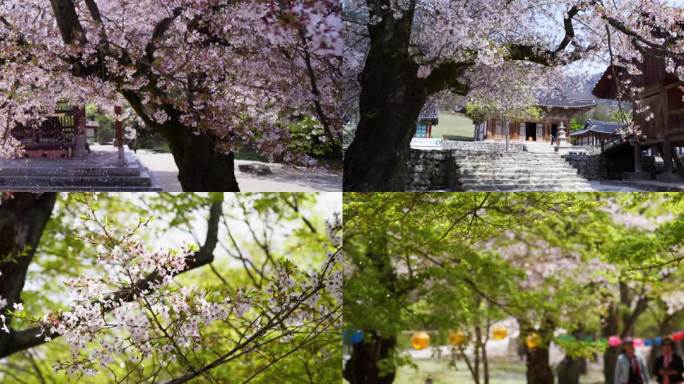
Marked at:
<point>668,367</point>
<point>630,367</point>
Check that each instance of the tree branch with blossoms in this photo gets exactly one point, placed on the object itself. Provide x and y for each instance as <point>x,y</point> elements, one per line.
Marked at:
<point>28,338</point>
<point>135,310</point>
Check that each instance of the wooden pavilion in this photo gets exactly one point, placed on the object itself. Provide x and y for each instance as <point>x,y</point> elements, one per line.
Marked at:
<point>595,133</point>
<point>662,125</point>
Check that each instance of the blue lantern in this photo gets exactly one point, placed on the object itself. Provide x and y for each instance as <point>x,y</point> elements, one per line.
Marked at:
<point>357,337</point>
<point>648,342</point>
<point>352,336</point>
<point>658,340</point>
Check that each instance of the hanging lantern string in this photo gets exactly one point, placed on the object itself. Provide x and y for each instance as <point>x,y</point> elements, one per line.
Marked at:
<point>421,340</point>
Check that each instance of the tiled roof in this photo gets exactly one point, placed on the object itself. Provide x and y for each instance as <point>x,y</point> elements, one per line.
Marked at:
<point>429,114</point>
<point>565,103</point>
<point>598,126</point>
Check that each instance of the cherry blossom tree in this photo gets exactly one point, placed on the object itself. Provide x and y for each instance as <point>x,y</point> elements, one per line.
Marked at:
<point>132,318</point>
<point>588,264</point>
<point>499,54</point>
<point>210,76</point>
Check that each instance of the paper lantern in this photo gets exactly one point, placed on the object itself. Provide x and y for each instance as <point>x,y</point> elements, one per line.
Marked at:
<point>638,342</point>
<point>357,336</point>
<point>677,336</point>
<point>648,342</point>
<point>614,341</point>
<point>657,340</point>
<point>566,338</point>
<point>499,333</point>
<point>353,336</point>
<point>457,338</point>
<point>533,340</point>
<point>420,340</point>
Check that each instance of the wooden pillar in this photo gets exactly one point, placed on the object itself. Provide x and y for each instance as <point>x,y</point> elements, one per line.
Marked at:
<point>667,156</point>
<point>668,174</point>
<point>637,157</point>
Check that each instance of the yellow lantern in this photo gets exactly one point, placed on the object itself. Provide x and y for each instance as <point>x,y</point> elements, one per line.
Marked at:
<point>533,340</point>
<point>420,340</point>
<point>499,333</point>
<point>456,338</point>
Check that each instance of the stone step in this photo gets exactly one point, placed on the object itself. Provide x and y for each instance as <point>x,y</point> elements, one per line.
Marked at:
<point>523,182</point>
<point>528,188</point>
<point>522,172</point>
<point>74,181</point>
<point>507,160</point>
<point>70,172</point>
<point>476,181</point>
<point>502,154</point>
<point>35,189</point>
<point>517,171</point>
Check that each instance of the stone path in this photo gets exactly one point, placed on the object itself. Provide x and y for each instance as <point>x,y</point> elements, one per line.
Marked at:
<point>283,179</point>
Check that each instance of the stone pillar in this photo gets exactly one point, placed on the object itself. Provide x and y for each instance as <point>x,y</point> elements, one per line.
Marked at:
<point>80,139</point>
<point>121,160</point>
<point>507,131</point>
<point>562,140</point>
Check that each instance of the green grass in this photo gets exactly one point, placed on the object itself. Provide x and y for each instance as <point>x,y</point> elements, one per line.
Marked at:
<point>453,124</point>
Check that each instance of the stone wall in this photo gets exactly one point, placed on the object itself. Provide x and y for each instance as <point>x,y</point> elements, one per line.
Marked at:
<point>588,165</point>
<point>482,146</point>
<point>428,170</point>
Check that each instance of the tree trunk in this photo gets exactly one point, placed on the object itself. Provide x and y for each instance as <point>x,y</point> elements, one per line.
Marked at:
<point>538,368</point>
<point>610,328</point>
<point>201,167</point>
<point>390,102</point>
<point>538,365</point>
<point>364,365</point>
<point>22,220</point>
<point>570,369</point>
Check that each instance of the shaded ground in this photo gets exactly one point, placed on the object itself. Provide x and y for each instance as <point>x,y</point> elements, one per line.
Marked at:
<point>501,372</point>
<point>283,179</point>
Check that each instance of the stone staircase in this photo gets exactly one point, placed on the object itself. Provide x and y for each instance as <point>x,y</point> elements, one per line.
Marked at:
<point>514,171</point>
<point>98,173</point>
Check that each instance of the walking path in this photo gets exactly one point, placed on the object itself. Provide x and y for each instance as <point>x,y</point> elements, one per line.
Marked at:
<point>283,178</point>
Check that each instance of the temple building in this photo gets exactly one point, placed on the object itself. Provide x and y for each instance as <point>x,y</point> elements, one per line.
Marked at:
<point>60,135</point>
<point>595,133</point>
<point>662,126</point>
<point>554,113</point>
<point>56,156</point>
<point>429,117</point>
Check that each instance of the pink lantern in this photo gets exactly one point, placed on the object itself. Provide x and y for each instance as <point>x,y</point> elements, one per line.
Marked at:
<point>638,342</point>
<point>614,341</point>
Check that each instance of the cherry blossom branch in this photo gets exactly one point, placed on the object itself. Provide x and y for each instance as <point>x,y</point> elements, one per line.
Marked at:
<point>29,338</point>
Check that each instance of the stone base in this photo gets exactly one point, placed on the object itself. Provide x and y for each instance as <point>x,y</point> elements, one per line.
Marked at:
<point>669,178</point>
<point>636,176</point>
<point>97,172</point>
